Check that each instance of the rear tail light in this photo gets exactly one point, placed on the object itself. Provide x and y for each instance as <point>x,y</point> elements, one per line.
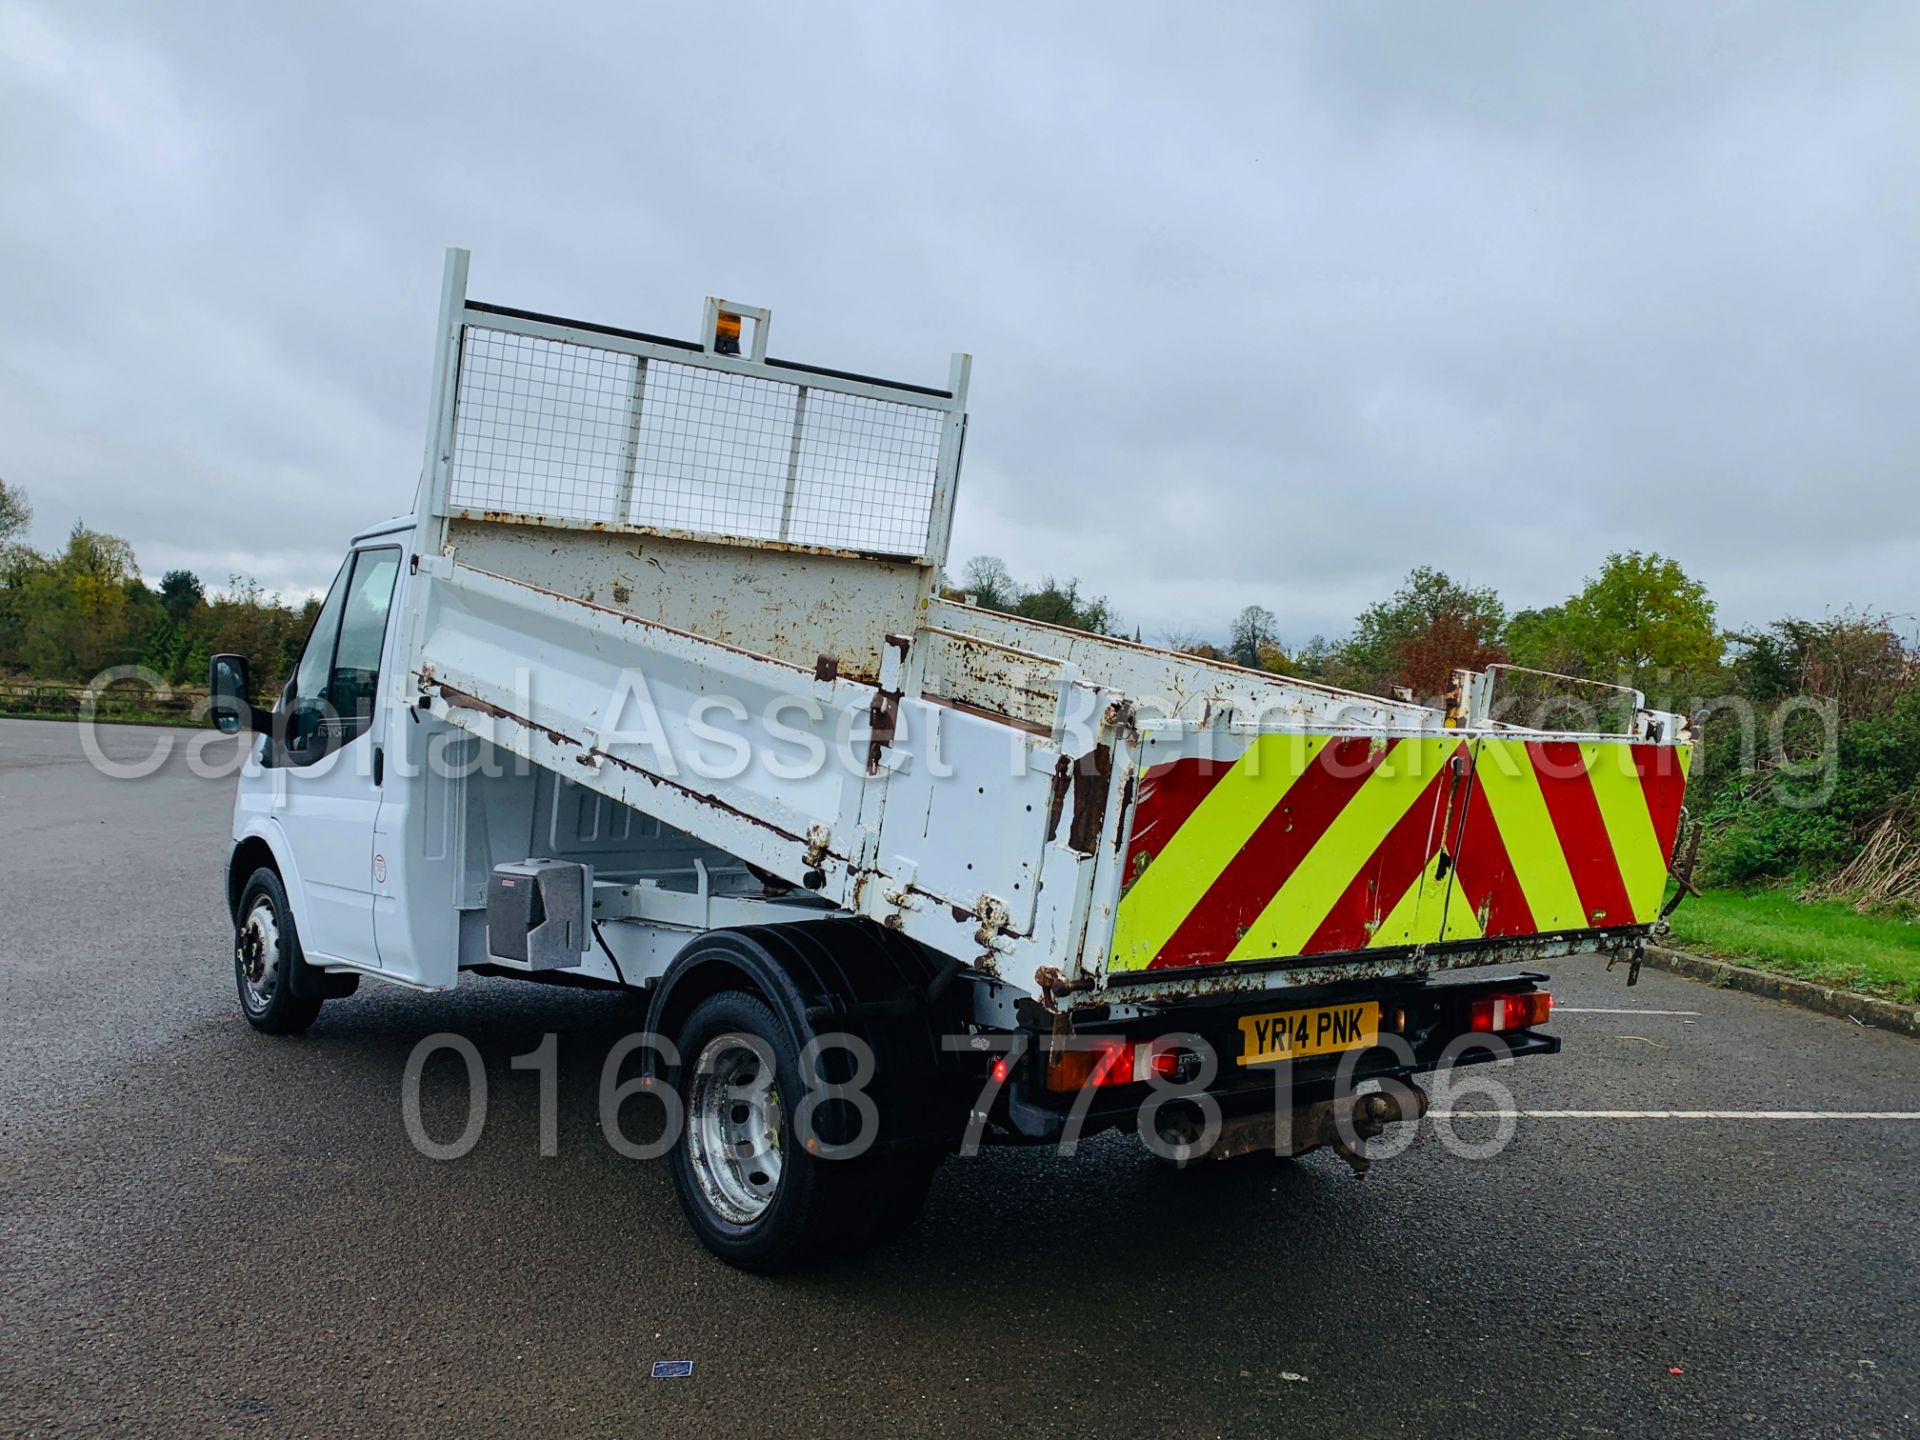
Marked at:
<point>1511,1012</point>
<point>1109,1060</point>
<point>1074,1067</point>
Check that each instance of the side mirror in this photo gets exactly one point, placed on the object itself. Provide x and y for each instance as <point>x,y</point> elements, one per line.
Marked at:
<point>228,691</point>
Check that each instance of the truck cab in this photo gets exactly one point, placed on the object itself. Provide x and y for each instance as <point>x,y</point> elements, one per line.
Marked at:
<point>309,805</point>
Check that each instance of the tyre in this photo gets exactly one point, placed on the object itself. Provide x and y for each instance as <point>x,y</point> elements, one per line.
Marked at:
<point>266,950</point>
<point>755,1196</point>
<point>900,1194</point>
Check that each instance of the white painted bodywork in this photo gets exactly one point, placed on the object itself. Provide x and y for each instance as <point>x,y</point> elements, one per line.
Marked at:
<point>680,709</point>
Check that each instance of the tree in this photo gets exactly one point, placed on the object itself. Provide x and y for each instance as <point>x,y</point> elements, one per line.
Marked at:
<point>1544,640</point>
<point>1055,603</point>
<point>68,616</point>
<point>1315,659</point>
<point>1430,627</point>
<point>244,619</point>
<point>1190,642</point>
<point>181,594</point>
<point>100,577</point>
<point>165,650</point>
<point>990,583</point>
<point>987,579</point>
<point>16,512</point>
<point>1640,615</point>
<point>98,557</point>
<point>19,562</point>
<point>1859,662</point>
<point>1253,633</point>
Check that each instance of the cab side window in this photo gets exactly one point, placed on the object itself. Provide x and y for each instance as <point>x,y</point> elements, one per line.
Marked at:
<point>306,697</point>
<point>331,699</point>
<point>363,631</point>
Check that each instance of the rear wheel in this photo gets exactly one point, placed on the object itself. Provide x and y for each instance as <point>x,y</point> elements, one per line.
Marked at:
<point>266,950</point>
<point>736,1126</point>
<point>755,1195</point>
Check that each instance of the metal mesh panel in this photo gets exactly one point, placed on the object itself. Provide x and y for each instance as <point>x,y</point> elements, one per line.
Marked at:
<point>865,471</point>
<point>575,432</point>
<point>713,452</point>
<point>540,428</point>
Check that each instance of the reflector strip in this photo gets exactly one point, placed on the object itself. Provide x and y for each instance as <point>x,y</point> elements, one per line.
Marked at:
<point>1167,885</point>
<point>1504,774</point>
<point>1663,776</point>
<point>1562,768</point>
<point>1304,899</point>
<point>1374,908</point>
<point>1312,845</point>
<point>1292,832</point>
<point>1621,795</point>
<point>1484,884</point>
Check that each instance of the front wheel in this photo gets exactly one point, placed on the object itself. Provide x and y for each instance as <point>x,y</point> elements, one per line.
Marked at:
<point>757,1197</point>
<point>266,948</point>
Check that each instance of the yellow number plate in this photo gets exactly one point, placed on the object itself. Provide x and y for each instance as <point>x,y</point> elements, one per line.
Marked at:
<point>1295,1034</point>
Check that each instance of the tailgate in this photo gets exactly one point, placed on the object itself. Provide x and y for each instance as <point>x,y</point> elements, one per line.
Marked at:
<point>1286,845</point>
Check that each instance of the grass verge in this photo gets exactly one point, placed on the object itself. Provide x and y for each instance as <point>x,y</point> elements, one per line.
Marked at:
<point>1825,941</point>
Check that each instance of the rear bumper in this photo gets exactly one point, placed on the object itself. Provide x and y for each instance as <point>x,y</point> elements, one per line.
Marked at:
<point>1305,974</point>
<point>1430,1018</point>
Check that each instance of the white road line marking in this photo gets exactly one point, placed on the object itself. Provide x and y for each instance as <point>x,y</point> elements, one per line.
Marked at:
<point>1581,1010</point>
<point>1673,1114</point>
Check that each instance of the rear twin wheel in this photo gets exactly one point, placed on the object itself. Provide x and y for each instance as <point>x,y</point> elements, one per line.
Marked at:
<point>755,1195</point>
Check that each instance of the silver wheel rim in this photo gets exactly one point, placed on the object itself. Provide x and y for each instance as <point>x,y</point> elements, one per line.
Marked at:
<point>734,1127</point>
<point>257,952</point>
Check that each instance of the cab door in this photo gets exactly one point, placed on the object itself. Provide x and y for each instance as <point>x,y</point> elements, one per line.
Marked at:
<point>328,762</point>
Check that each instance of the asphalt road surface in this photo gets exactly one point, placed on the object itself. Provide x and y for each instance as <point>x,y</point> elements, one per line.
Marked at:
<point>205,1231</point>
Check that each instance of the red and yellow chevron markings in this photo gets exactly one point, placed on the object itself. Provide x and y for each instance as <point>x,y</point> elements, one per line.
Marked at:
<point>1311,844</point>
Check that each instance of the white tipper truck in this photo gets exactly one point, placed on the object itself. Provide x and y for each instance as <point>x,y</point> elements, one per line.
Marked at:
<point>660,688</point>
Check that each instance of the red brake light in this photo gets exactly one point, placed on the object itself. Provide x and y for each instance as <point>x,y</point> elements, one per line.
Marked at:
<point>1109,1060</point>
<point>1511,1012</point>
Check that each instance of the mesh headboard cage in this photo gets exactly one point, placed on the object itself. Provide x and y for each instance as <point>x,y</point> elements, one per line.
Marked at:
<point>560,425</point>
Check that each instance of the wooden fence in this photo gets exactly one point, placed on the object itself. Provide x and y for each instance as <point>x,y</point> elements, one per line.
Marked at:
<point>121,700</point>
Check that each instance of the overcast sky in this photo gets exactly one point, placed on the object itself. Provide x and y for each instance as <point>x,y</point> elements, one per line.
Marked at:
<point>1267,304</point>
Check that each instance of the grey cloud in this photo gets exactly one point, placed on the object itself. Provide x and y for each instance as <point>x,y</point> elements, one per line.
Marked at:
<point>1268,304</point>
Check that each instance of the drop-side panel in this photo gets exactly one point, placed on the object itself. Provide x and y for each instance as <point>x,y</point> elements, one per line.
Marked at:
<point>1303,844</point>
<point>1297,845</point>
<point>932,821</point>
<point>1561,834</point>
